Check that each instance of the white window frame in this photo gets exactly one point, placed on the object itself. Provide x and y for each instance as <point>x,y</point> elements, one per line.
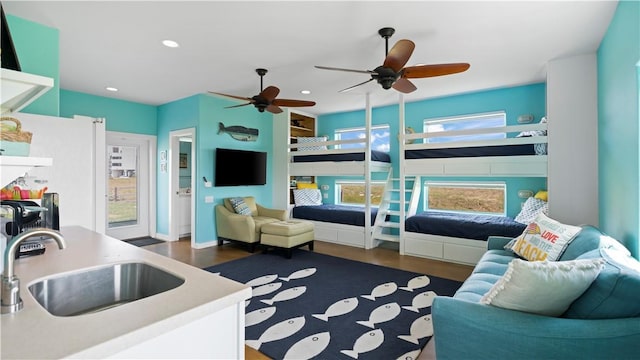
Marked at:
<point>465,184</point>
<point>338,190</point>
<point>427,123</point>
<point>337,133</point>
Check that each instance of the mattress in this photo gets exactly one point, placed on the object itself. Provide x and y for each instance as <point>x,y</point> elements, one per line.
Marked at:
<point>337,214</point>
<point>359,156</point>
<point>476,151</point>
<point>461,225</point>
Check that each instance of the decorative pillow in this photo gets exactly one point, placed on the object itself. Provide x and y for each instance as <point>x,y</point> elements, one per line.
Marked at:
<point>307,140</point>
<point>307,197</point>
<point>543,239</point>
<point>531,208</point>
<point>302,185</point>
<point>614,293</point>
<point>239,206</point>
<point>542,287</point>
<point>542,195</point>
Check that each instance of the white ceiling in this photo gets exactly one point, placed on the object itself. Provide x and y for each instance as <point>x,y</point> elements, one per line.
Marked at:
<point>118,43</point>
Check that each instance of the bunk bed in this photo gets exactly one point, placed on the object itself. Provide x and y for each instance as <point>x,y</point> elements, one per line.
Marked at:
<point>462,238</point>
<point>347,225</point>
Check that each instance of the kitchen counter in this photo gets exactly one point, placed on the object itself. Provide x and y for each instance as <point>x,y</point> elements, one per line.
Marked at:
<point>143,328</point>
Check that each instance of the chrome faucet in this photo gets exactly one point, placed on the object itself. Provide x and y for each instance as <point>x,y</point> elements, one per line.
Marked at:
<point>11,301</point>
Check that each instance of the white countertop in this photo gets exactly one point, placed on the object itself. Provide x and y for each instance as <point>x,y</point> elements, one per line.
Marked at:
<point>34,333</point>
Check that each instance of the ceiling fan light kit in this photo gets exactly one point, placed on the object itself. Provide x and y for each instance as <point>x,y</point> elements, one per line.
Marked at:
<point>393,74</point>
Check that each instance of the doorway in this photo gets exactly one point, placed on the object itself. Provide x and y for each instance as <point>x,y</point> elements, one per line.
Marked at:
<point>130,206</point>
<point>182,190</point>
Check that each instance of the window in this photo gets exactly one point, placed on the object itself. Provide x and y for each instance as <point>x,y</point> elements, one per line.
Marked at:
<point>379,137</point>
<point>466,122</point>
<point>352,192</point>
<point>469,197</point>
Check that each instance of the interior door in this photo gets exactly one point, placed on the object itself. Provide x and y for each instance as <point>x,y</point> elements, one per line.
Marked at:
<point>128,190</point>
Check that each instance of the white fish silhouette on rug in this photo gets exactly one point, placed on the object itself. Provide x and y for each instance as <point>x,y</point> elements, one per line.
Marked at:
<point>368,341</point>
<point>278,331</point>
<point>382,290</point>
<point>265,289</point>
<point>309,347</point>
<point>285,295</point>
<point>258,316</point>
<point>411,355</point>
<point>382,313</point>
<point>338,308</point>
<point>421,301</point>
<point>265,279</point>
<point>421,328</point>
<point>417,283</point>
<point>300,274</point>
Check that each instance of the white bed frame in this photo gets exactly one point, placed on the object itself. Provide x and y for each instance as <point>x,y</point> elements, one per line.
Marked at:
<point>453,249</point>
<point>358,236</point>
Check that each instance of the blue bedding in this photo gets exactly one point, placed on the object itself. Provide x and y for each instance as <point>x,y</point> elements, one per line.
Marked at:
<point>337,214</point>
<point>468,226</point>
<point>359,156</point>
<point>474,151</point>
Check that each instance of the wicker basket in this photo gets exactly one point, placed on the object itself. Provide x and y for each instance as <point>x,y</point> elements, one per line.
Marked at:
<point>14,142</point>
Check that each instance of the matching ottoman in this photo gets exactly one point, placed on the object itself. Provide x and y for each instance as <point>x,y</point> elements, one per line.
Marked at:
<point>287,235</point>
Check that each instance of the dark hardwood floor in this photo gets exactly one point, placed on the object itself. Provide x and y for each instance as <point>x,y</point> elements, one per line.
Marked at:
<point>386,256</point>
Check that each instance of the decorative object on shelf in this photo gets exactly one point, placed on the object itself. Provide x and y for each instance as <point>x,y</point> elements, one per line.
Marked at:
<point>266,100</point>
<point>183,161</point>
<point>13,141</point>
<point>239,133</point>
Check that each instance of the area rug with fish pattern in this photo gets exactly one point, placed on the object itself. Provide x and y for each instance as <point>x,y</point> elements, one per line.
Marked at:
<point>316,306</point>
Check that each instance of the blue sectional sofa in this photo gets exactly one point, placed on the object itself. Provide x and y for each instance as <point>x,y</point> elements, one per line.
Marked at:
<point>602,323</point>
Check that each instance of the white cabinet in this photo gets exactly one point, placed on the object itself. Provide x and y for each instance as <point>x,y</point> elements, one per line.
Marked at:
<point>185,214</point>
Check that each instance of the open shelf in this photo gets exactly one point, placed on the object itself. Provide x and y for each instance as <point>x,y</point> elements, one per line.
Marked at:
<point>19,89</point>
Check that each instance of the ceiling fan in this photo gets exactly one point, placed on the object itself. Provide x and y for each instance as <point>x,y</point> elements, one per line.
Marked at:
<point>266,100</point>
<point>392,72</point>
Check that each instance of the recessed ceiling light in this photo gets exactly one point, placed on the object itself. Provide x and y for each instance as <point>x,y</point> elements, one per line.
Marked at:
<point>109,88</point>
<point>170,43</point>
<point>306,92</point>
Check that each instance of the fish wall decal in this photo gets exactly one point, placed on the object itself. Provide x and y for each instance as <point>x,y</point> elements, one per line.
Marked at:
<point>238,132</point>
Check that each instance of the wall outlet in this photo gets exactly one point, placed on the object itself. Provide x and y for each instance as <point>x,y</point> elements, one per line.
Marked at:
<point>325,196</point>
<point>208,199</point>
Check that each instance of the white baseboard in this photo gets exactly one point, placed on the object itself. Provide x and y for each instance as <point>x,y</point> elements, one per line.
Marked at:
<point>202,245</point>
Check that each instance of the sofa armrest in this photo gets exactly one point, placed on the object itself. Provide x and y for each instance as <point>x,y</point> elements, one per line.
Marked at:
<point>497,242</point>
<point>234,226</point>
<point>494,333</point>
<point>272,213</point>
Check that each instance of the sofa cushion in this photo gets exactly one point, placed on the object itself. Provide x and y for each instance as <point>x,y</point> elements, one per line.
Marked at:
<point>261,220</point>
<point>543,239</point>
<point>239,206</point>
<point>588,239</point>
<point>614,293</point>
<point>542,287</point>
<point>531,208</point>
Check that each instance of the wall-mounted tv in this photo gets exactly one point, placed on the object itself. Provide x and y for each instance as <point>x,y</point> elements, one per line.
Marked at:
<point>240,167</point>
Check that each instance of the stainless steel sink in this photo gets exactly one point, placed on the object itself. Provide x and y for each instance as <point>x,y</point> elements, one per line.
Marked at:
<point>101,288</point>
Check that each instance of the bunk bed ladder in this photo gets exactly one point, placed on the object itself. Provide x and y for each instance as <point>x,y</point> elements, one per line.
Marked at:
<point>387,223</point>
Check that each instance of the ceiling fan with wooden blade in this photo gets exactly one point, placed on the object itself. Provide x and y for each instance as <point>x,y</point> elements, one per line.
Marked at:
<point>266,99</point>
<point>393,74</point>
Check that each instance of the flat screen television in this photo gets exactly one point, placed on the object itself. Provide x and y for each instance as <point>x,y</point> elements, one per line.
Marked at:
<point>240,167</point>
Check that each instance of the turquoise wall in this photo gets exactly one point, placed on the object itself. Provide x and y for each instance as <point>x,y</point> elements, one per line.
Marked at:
<point>618,126</point>
<point>120,115</point>
<point>205,112</point>
<point>514,101</point>
<point>38,53</point>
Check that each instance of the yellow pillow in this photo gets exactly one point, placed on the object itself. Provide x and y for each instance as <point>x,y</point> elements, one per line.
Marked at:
<point>542,195</point>
<point>307,185</point>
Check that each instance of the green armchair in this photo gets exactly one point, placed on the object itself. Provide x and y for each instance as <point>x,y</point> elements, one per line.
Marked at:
<point>244,228</point>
